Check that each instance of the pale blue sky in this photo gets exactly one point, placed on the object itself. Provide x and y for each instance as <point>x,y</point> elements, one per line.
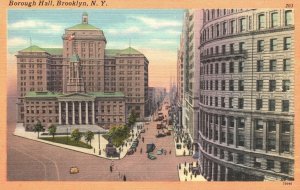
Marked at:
<point>154,29</point>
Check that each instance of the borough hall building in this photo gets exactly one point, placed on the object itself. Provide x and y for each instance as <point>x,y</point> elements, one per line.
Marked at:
<point>82,83</point>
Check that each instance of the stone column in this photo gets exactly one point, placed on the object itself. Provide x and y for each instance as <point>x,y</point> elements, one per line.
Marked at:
<point>235,133</point>
<point>265,138</point>
<point>277,137</point>
<point>208,125</point>
<point>226,174</point>
<point>67,115</point>
<point>226,130</point>
<point>219,129</point>
<point>213,125</point>
<point>79,109</point>
<point>292,141</point>
<point>59,113</point>
<point>209,169</point>
<point>86,113</point>
<point>205,168</point>
<point>213,171</point>
<point>219,172</point>
<point>73,113</point>
<point>93,112</point>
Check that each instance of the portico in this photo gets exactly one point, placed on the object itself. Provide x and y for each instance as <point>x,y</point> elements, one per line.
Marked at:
<point>76,109</point>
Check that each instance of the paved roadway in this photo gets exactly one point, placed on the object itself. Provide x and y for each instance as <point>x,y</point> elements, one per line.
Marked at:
<point>31,160</point>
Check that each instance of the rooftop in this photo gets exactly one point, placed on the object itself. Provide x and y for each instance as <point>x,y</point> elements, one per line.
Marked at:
<point>46,94</point>
<point>83,27</point>
<point>118,52</point>
<point>51,51</point>
<point>107,94</point>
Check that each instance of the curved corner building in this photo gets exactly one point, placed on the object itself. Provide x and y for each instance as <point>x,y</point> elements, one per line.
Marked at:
<point>246,129</point>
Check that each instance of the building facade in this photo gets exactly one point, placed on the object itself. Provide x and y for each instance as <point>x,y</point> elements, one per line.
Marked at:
<point>246,129</point>
<point>85,68</point>
<point>191,71</point>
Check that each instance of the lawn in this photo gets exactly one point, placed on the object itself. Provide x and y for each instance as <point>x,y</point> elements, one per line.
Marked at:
<point>67,141</point>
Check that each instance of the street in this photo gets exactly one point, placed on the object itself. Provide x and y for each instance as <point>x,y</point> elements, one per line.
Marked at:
<point>31,160</point>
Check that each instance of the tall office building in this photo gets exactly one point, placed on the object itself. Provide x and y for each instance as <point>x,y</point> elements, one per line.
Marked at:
<point>246,129</point>
<point>191,71</point>
<point>83,82</point>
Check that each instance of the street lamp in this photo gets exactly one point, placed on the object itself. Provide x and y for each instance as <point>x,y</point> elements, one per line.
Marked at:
<point>67,136</point>
<point>99,139</point>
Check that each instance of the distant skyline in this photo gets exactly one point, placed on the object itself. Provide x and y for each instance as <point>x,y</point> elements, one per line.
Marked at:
<point>156,33</point>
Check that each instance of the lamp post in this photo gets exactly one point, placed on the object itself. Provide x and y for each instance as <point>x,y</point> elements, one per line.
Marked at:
<point>99,140</point>
<point>67,136</point>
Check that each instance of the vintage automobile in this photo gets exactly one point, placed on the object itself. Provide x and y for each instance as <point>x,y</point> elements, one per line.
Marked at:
<point>74,170</point>
<point>159,126</point>
<point>168,133</point>
<point>150,147</point>
<point>159,135</point>
<point>151,156</point>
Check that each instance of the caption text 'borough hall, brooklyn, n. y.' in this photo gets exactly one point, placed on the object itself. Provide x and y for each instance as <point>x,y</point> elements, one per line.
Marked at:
<point>81,83</point>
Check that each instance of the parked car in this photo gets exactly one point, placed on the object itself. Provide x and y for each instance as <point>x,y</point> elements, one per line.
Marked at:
<point>160,135</point>
<point>159,126</point>
<point>147,123</point>
<point>143,131</point>
<point>168,133</point>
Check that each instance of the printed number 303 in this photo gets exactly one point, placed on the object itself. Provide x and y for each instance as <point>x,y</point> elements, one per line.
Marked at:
<point>289,5</point>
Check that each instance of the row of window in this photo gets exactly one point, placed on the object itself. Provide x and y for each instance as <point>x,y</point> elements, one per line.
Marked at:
<point>273,46</point>
<point>214,101</point>
<point>261,66</point>
<point>240,159</point>
<point>208,85</point>
<point>230,27</point>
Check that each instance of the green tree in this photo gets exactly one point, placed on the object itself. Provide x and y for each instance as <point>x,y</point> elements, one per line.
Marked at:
<point>38,127</point>
<point>76,135</point>
<point>118,134</point>
<point>52,130</point>
<point>89,136</point>
<point>132,119</point>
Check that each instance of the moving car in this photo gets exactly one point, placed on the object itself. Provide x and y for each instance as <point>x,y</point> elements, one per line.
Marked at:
<point>74,170</point>
<point>150,147</point>
<point>160,135</point>
<point>151,156</point>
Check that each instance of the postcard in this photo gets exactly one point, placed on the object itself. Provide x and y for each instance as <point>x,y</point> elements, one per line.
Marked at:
<point>149,94</point>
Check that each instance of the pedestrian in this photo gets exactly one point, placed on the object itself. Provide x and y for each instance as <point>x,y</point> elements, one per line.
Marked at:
<point>110,168</point>
<point>124,178</point>
<point>141,151</point>
<point>170,152</point>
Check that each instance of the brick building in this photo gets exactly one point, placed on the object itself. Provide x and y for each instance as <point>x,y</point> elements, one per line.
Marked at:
<point>83,82</point>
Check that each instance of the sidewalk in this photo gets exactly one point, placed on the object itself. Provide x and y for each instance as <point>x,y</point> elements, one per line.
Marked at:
<point>20,131</point>
<point>187,175</point>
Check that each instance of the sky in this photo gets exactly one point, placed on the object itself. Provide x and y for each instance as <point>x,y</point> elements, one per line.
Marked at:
<point>155,33</point>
